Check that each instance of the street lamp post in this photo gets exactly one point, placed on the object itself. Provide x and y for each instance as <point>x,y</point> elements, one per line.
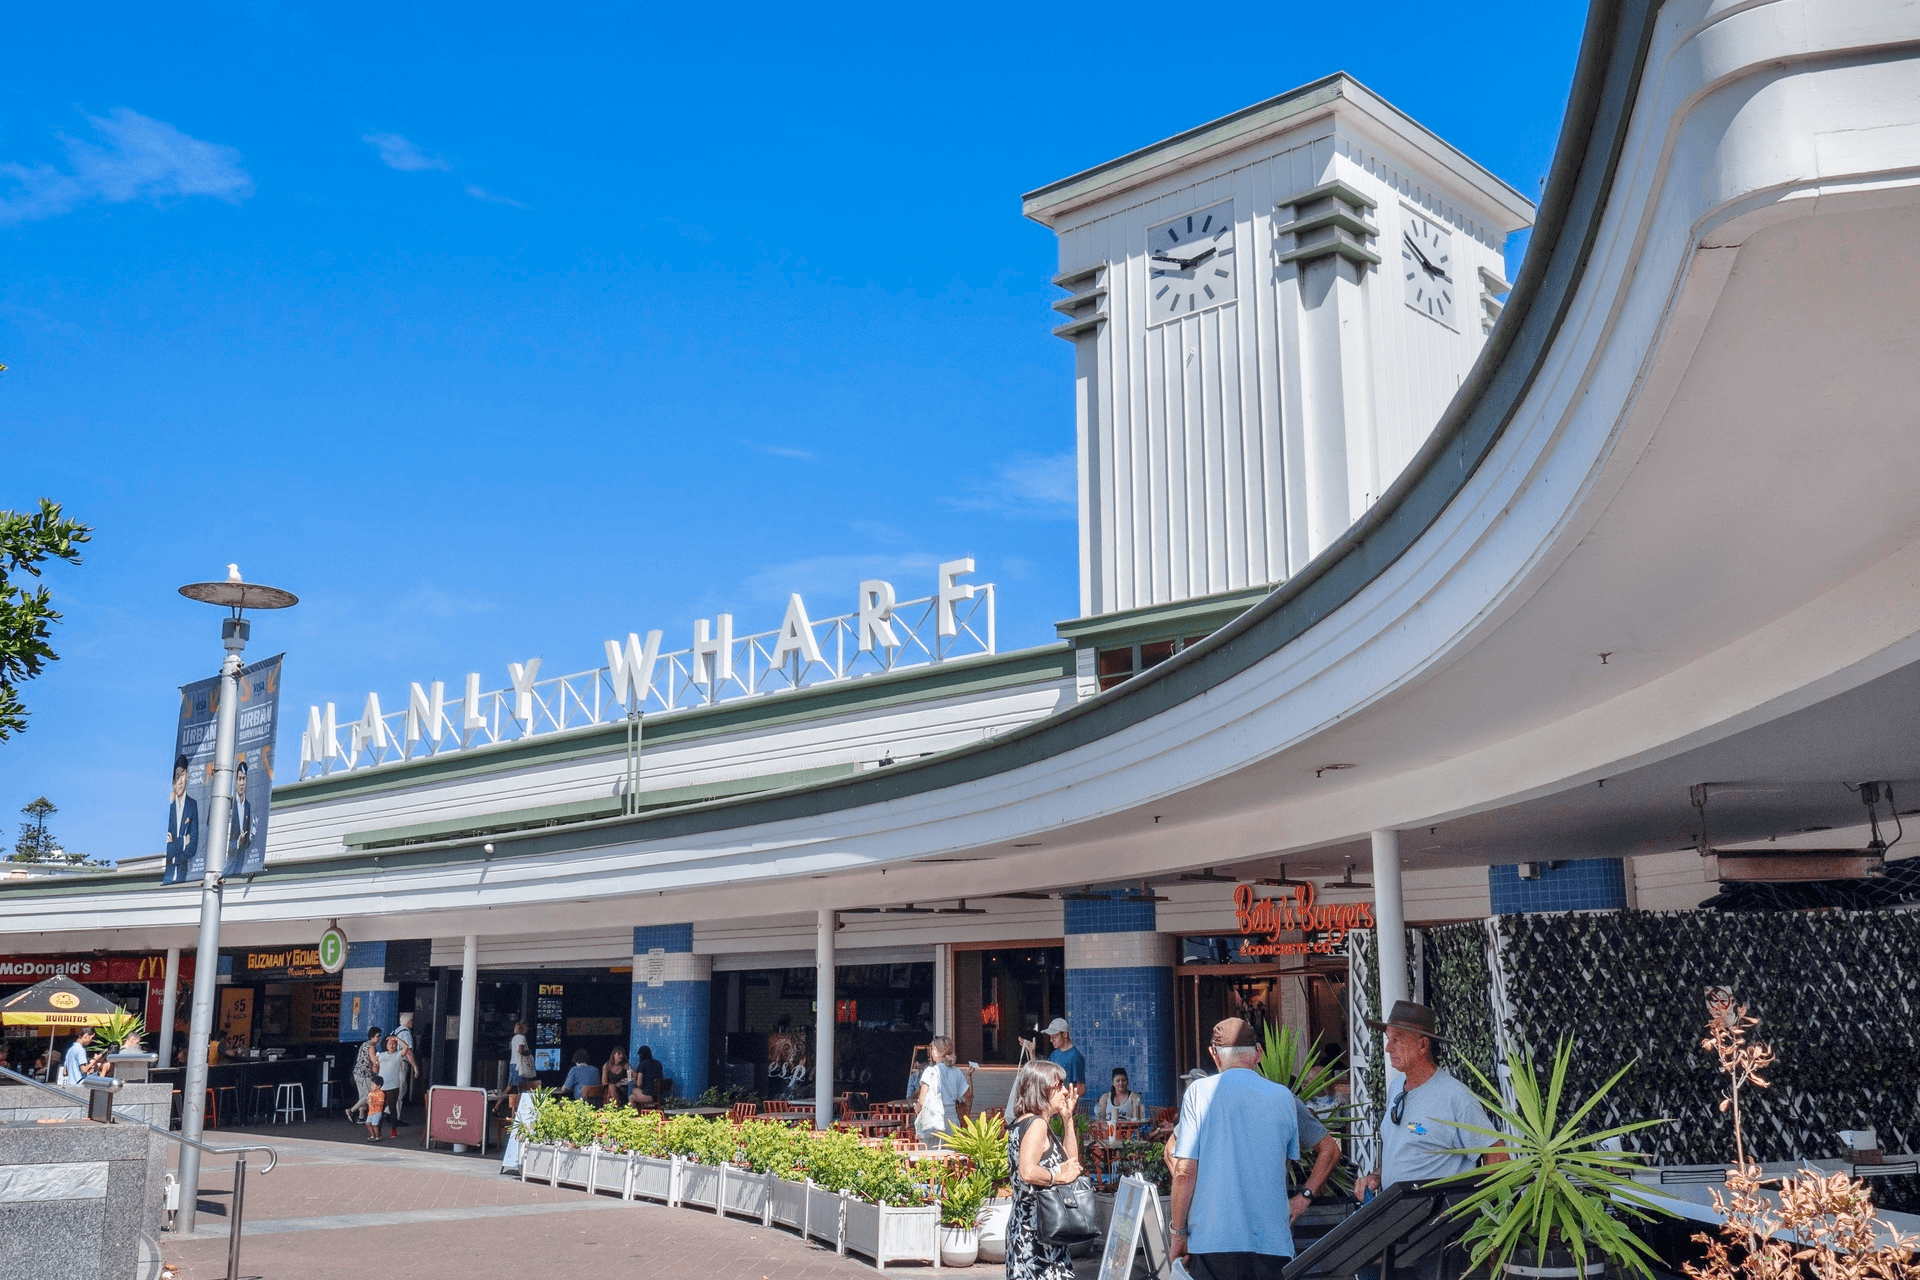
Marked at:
<point>236,595</point>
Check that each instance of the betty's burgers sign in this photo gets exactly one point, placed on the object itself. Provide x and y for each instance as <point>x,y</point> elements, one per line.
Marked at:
<point>1321,927</point>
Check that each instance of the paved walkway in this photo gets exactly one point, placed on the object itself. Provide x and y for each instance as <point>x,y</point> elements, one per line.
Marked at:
<point>335,1208</point>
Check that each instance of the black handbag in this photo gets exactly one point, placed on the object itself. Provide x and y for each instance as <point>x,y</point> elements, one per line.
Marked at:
<point>1064,1211</point>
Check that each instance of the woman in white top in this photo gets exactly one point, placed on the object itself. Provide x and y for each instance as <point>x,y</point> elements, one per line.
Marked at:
<point>520,1066</point>
<point>942,1089</point>
<point>1120,1103</point>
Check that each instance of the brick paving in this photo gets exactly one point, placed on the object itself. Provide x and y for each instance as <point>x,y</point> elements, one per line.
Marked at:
<point>333,1209</point>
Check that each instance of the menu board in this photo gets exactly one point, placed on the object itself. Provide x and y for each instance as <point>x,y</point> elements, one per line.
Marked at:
<point>548,1011</point>
<point>316,1012</point>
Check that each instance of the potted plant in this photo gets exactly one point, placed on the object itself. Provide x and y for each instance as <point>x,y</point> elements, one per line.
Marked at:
<point>982,1139</point>
<point>1285,1060</point>
<point>1557,1200</point>
<point>962,1200</point>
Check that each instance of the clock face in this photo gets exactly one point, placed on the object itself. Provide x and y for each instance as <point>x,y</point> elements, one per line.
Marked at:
<point>1426,261</point>
<point>1190,263</point>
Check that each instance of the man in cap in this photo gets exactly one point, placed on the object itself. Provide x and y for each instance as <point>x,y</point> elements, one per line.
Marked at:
<point>1066,1057</point>
<point>1426,1115</point>
<point>1232,1218</point>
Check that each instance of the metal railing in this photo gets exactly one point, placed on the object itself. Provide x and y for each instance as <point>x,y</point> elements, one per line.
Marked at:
<point>238,1154</point>
<point>439,720</point>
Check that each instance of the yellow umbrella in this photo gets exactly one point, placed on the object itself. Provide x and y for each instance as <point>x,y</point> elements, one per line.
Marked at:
<point>57,1002</point>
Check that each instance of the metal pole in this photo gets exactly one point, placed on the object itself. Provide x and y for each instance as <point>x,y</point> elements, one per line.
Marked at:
<point>206,963</point>
<point>469,980</point>
<point>239,1214</point>
<point>169,1002</point>
<point>823,993</point>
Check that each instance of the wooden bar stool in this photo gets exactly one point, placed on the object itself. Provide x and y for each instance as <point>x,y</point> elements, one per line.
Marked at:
<point>233,1102</point>
<point>260,1103</point>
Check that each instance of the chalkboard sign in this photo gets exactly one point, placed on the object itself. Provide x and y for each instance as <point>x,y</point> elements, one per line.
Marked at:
<point>1136,1222</point>
<point>409,959</point>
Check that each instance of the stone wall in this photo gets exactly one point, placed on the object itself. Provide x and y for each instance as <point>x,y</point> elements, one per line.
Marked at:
<point>66,1182</point>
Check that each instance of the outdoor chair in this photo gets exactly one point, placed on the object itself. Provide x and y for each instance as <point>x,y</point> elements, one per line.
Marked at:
<point>594,1095</point>
<point>742,1111</point>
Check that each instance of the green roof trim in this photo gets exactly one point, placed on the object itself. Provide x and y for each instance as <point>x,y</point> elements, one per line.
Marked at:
<point>955,678</point>
<point>1207,613</point>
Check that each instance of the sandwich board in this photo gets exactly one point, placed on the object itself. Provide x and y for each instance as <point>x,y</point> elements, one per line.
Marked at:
<point>1136,1224</point>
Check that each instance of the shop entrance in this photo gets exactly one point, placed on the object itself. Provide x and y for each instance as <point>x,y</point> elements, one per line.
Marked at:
<point>1004,994</point>
<point>1310,1000</point>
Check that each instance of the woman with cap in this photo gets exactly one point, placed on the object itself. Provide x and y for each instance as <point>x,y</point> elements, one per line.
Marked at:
<point>1431,1116</point>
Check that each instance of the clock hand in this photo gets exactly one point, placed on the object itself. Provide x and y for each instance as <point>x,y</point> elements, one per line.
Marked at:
<point>1431,269</point>
<point>1194,262</point>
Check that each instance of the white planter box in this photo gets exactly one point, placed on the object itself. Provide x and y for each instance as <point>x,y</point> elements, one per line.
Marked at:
<point>536,1162</point>
<point>569,1167</point>
<point>823,1216</point>
<point>653,1178</point>
<point>786,1203</point>
<point>699,1185</point>
<point>744,1193</point>
<point>888,1234</point>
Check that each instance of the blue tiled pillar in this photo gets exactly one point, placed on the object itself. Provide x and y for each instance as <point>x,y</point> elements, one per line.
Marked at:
<point>367,999</point>
<point>672,1003</point>
<point>1120,996</point>
<point>1591,884</point>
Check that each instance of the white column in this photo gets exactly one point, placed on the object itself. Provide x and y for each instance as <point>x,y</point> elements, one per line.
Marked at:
<point>823,989</point>
<point>943,988</point>
<point>469,976</point>
<point>1390,918</point>
<point>469,979</point>
<point>169,1001</point>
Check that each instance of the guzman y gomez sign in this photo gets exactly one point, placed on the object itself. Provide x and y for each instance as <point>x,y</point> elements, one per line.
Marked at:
<point>1324,926</point>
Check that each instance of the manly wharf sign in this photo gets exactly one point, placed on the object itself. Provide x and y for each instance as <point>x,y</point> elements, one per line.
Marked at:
<point>882,634</point>
<point>1323,927</point>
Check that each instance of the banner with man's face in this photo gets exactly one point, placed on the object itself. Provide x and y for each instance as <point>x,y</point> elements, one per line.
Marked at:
<point>189,800</point>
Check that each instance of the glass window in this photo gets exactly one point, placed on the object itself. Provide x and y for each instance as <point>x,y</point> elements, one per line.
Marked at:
<point>1152,655</point>
<point>1114,665</point>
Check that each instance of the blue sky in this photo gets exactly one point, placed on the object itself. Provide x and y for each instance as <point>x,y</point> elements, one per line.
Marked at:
<point>495,332</point>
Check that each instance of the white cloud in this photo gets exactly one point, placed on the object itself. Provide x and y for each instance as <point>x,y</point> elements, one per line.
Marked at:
<point>481,193</point>
<point>399,152</point>
<point>784,451</point>
<point>1027,486</point>
<point>142,159</point>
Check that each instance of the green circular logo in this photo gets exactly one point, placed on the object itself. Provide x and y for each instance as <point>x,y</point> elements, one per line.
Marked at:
<point>333,950</point>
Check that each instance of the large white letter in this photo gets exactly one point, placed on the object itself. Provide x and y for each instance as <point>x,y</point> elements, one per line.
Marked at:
<point>876,615</point>
<point>426,712</point>
<point>471,717</point>
<point>522,678</point>
<point>796,634</point>
<point>321,742</point>
<point>713,655</point>
<point>952,591</point>
<point>632,671</point>
<point>369,730</point>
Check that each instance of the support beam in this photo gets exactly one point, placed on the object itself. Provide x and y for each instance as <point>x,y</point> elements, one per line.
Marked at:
<point>169,1004</point>
<point>823,996</point>
<point>469,982</point>
<point>1390,918</point>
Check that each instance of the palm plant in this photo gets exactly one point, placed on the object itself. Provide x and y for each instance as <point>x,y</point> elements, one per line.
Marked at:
<point>119,1029</point>
<point>1285,1059</point>
<point>1554,1185</point>
<point>982,1139</point>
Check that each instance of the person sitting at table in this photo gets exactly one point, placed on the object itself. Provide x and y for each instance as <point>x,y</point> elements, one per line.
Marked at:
<point>582,1075</point>
<point>1120,1103</point>
<point>617,1076</point>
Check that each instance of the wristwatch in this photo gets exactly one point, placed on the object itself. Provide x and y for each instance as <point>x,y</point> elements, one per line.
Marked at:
<point>1178,1231</point>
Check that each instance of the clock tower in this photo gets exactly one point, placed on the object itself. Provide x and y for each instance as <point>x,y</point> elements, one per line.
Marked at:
<point>1268,314</point>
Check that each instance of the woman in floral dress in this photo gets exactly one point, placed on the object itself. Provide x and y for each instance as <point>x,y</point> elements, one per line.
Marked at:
<point>1039,1159</point>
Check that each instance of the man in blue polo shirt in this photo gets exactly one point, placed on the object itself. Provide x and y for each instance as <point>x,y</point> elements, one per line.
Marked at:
<point>1232,1219</point>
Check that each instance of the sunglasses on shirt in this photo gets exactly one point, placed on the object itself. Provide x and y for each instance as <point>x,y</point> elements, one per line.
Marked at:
<point>1398,1111</point>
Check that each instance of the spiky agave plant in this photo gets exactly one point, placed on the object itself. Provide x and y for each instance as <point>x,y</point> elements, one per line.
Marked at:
<point>1553,1184</point>
<point>1285,1059</point>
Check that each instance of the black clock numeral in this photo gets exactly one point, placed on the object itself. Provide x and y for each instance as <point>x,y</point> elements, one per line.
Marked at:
<point>1189,223</point>
<point>1208,289</point>
<point>1173,235</point>
<point>1163,292</point>
<point>1217,271</point>
<point>1204,225</point>
<point>1223,253</point>
<point>1190,302</point>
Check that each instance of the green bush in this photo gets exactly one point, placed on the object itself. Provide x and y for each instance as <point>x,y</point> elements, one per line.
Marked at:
<point>836,1161</point>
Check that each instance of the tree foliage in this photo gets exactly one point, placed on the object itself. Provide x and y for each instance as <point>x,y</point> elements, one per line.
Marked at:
<point>28,540</point>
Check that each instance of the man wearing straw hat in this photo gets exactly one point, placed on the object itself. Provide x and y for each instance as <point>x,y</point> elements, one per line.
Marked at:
<point>1427,1116</point>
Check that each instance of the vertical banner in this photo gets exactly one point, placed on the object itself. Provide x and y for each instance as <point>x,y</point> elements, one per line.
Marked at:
<point>190,800</point>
